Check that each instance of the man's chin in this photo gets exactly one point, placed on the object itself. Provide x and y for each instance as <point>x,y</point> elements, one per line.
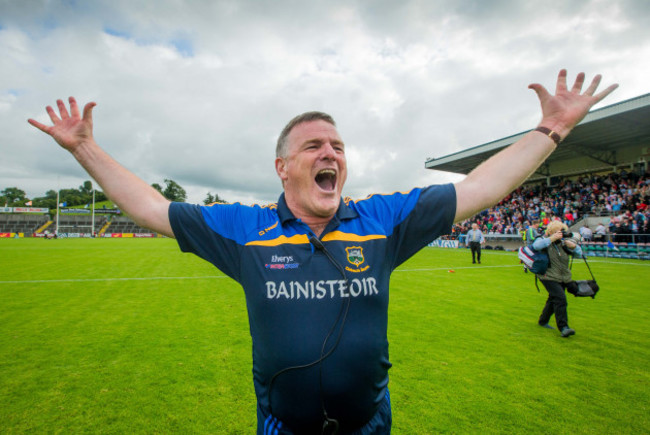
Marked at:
<point>327,208</point>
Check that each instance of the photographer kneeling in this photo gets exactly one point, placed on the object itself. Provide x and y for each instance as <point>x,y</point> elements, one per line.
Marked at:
<point>559,245</point>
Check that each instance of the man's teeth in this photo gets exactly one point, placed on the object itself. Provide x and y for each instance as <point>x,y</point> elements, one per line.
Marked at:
<point>326,179</point>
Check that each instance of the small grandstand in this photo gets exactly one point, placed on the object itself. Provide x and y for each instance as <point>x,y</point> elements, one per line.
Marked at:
<point>79,224</point>
<point>25,224</point>
<point>125,225</point>
<point>19,223</point>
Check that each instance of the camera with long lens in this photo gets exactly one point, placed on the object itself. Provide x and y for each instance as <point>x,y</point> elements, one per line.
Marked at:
<point>568,236</point>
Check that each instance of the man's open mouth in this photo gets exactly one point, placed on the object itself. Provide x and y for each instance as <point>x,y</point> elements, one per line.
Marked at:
<point>326,179</point>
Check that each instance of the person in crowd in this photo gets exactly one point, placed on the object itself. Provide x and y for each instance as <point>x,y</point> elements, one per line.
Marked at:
<point>474,239</point>
<point>313,262</point>
<point>600,233</point>
<point>531,233</point>
<point>558,276</point>
<point>586,233</point>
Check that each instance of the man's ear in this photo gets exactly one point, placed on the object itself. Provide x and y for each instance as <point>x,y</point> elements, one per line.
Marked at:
<point>281,168</point>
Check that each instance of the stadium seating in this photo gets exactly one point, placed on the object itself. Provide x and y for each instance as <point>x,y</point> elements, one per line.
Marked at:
<point>124,224</point>
<point>80,223</point>
<point>578,201</point>
<point>30,223</point>
<point>21,223</point>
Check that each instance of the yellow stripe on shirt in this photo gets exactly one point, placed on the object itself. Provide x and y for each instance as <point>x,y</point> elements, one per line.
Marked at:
<point>298,239</point>
<point>350,237</point>
<point>301,239</point>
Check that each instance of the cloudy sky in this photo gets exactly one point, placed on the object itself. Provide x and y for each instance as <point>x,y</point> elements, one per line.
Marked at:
<point>198,91</point>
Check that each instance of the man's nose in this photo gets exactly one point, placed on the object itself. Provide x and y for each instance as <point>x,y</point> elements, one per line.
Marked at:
<point>328,152</point>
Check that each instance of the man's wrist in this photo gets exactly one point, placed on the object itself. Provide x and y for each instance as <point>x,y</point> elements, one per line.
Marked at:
<point>552,134</point>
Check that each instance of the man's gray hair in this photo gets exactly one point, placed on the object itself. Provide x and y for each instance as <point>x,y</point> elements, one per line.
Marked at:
<point>283,141</point>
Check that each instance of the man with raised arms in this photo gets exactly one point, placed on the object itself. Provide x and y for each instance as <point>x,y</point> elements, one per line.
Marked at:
<point>321,363</point>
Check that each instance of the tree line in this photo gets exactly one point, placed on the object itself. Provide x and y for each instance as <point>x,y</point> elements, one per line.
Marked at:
<point>83,195</point>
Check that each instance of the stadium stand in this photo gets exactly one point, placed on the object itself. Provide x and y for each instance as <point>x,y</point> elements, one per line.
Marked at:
<point>76,223</point>
<point>21,223</point>
<point>124,224</point>
<point>618,200</point>
<point>30,224</point>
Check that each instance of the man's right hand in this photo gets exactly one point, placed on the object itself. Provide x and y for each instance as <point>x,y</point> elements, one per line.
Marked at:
<point>556,236</point>
<point>69,130</point>
<point>144,204</point>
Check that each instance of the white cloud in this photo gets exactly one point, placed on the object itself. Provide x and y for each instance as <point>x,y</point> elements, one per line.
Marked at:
<point>198,91</point>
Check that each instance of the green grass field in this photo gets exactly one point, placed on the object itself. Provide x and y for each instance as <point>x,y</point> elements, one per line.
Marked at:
<point>131,336</point>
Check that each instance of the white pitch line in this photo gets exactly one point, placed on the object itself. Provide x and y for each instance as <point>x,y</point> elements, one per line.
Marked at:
<point>615,262</point>
<point>36,281</point>
<point>511,265</point>
<point>456,268</point>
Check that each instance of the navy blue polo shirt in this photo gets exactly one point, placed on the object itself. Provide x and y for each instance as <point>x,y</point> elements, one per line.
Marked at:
<point>294,293</point>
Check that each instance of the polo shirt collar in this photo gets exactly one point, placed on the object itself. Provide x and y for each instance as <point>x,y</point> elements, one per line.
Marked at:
<point>343,212</point>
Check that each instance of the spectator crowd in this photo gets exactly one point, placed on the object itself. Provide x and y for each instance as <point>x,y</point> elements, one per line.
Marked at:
<point>623,196</point>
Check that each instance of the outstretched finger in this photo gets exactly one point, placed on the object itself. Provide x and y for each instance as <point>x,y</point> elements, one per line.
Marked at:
<point>541,91</point>
<point>74,108</point>
<point>594,85</point>
<point>62,109</point>
<point>561,81</point>
<point>606,92</point>
<point>44,128</point>
<point>53,116</point>
<point>577,85</point>
<point>88,111</point>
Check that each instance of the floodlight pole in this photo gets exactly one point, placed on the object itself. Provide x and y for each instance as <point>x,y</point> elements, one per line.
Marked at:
<point>92,230</point>
<point>56,230</point>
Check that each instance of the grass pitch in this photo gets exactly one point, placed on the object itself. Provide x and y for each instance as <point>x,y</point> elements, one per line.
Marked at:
<point>131,336</point>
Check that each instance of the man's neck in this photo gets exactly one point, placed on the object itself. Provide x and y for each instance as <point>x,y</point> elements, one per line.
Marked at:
<point>316,223</point>
<point>318,228</point>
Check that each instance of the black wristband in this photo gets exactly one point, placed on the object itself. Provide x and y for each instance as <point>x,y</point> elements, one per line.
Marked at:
<point>550,133</point>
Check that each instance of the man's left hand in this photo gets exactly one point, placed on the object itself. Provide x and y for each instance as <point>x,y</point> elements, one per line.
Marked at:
<point>562,111</point>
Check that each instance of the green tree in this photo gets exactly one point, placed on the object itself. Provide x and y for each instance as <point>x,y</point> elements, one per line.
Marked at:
<point>100,196</point>
<point>209,199</point>
<point>49,200</point>
<point>173,191</point>
<point>158,187</point>
<point>86,188</point>
<point>13,197</point>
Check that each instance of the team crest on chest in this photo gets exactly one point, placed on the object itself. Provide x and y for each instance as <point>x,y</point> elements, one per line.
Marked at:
<point>355,257</point>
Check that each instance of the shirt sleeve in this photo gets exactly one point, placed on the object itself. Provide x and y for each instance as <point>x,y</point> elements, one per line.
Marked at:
<point>577,252</point>
<point>431,216</point>
<point>196,230</point>
<point>541,243</point>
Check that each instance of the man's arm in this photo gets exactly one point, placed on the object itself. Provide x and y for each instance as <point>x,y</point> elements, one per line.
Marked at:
<point>502,173</point>
<point>140,201</point>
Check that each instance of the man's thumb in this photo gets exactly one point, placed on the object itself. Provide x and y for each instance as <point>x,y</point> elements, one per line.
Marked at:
<point>88,111</point>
